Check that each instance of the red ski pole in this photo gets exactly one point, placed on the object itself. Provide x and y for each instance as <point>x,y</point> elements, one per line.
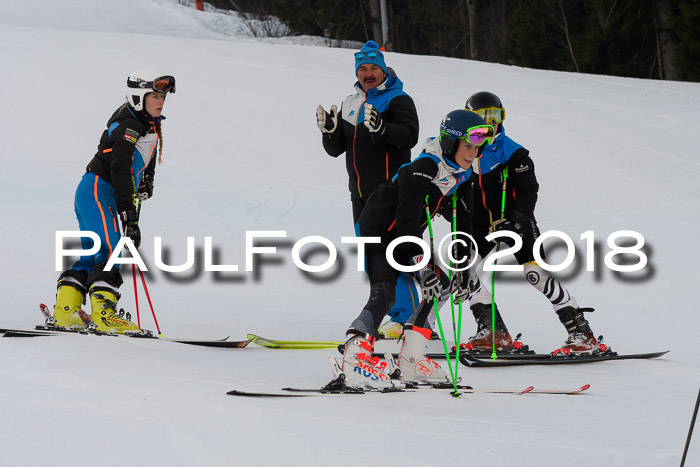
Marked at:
<point>136,296</point>
<point>148,296</point>
<point>137,203</point>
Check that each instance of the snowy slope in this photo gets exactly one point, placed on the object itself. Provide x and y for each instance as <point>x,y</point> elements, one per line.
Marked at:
<point>242,153</point>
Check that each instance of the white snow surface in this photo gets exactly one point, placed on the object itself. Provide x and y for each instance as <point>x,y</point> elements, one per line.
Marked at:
<point>242,153</point>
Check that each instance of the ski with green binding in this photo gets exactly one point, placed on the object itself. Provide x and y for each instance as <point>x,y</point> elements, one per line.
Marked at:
<point>278,344</point>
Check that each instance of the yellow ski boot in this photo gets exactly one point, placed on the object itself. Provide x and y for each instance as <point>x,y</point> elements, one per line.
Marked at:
<point>390,330</point>
<point>69,298</point>
<point>103,301</point>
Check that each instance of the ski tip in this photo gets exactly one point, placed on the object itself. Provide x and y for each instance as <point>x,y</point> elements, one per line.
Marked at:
<point>528,389</point>
<point>584,387</point>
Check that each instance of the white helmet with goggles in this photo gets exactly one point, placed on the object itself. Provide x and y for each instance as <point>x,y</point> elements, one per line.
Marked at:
<point>146,80</point>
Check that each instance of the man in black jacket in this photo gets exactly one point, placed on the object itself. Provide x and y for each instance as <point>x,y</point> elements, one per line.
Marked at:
<point>376,128</point>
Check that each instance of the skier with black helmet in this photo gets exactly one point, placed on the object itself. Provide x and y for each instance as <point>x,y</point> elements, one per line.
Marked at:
<point>398,208</point>
<point>119,176</point>
<point>506,190</point>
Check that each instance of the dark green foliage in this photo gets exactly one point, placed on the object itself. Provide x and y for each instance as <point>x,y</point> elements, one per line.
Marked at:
<point>610,37</point>
<point>688,30</point>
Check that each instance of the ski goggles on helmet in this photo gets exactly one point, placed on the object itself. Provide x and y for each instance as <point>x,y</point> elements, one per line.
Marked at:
<point>476,135</point>
<point>371,55</point>
<point>492,114</point>
<point>163,84</point>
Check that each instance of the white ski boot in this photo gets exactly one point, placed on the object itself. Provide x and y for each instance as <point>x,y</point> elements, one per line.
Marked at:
<point>414,364</point>
<point>360,368</point>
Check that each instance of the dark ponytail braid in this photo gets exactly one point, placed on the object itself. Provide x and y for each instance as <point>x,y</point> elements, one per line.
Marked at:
<point>159,131</point>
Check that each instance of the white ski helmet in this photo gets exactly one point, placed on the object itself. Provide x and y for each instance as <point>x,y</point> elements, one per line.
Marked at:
<point>146,80</point>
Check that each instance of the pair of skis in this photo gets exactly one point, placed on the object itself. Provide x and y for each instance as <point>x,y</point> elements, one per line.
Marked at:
<point>300,392</point>
<point>49,329</point>
<point>470,359</point>
<point>485,360</point>
<point>43,330</point>
<point>338,387</point>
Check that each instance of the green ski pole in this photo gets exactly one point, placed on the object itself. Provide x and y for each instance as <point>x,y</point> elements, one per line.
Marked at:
<point>458,328</point>
<point>493,274</point>
<point>437,310</point>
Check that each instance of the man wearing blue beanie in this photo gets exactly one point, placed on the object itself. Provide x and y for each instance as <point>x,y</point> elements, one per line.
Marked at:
<point>370,55</point>
<point>376,128</point>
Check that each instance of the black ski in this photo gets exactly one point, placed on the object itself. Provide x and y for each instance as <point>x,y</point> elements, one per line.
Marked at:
<point>235,392</point>
<point>512,355</point>
<point>474,362</point>
<point>479,355</point>
<point>45,331</point>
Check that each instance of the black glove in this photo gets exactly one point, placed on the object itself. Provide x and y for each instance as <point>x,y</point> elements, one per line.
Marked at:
<point>502,224</point>
<point>519,220</point>
<point>145,189</point>
<point>327,122</point>
<point>459,286</point>
<point>514,222</point>
<point>373,120</point>
<point>130,226</point>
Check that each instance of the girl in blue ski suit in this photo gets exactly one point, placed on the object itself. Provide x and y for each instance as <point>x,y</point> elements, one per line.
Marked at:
<point>119,176</point>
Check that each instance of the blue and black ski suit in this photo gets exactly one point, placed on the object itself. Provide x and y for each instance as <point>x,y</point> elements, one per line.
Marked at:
<point>126,153</point>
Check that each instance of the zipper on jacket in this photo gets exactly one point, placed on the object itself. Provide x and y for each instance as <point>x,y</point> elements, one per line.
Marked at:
<point>354,140</point>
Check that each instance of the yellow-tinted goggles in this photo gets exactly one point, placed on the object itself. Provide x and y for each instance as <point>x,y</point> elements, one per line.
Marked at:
<point>492,114</point>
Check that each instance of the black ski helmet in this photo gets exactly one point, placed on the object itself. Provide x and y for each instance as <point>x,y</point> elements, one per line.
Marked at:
<point>455,125</point>
<point>486,100</point>
<point>482,100</point>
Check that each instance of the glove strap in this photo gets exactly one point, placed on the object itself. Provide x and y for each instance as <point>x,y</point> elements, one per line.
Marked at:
<point>128,217</point>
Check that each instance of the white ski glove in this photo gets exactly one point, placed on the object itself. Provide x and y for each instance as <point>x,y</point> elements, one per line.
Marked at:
<point>429,281</point>
<point>459,286</point>
<point>327,122</point>
<point>430,284</point>
<point>373,120</point>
